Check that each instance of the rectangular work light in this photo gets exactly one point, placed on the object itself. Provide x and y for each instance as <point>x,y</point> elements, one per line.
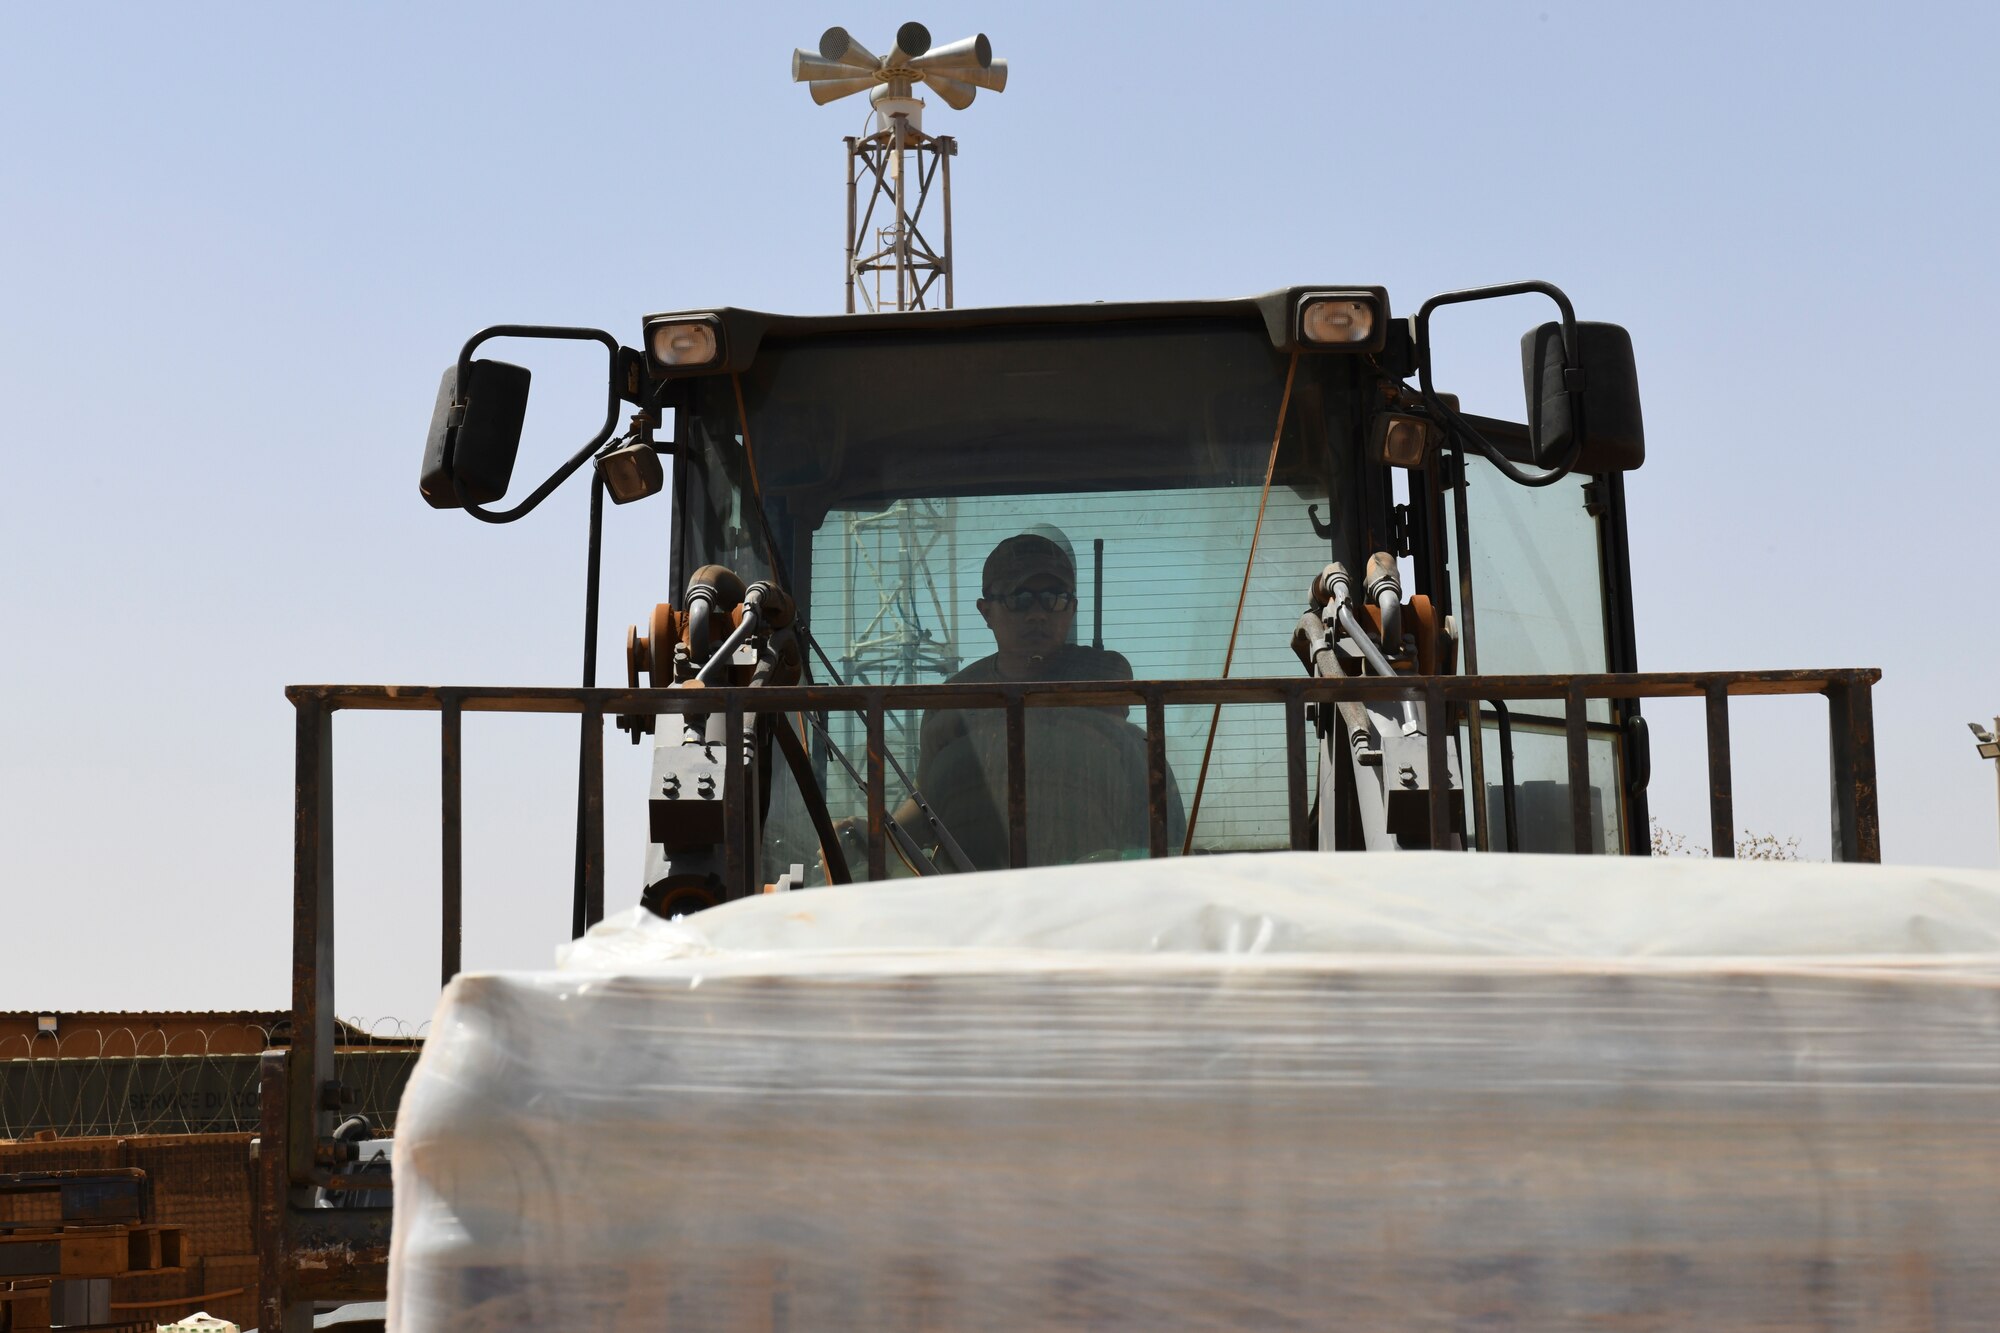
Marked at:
<point>1400,440</point>
<point>684,344</point>
<point>632,472</point>
<point>1340,320</point>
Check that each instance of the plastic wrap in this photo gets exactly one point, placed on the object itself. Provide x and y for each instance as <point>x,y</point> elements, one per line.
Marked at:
<point>1287,1091</point>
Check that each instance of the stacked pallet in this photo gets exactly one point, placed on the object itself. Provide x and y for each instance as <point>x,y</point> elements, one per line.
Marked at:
<point>90,1251</point>
<point>59,1269</point>
<point>200,1183</point>
<point>1385,1092</point>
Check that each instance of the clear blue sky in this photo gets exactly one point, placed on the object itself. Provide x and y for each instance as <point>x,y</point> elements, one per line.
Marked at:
<point>238,243</point>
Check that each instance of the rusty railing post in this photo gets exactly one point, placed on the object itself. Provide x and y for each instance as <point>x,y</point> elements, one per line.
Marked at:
<point>1156,774</point>
<point>273,1186</point>
<point>452,853</point>
<point>1577,733</point>
<point>1857,833</point>
<point>878,852</point>
<point>1435,722</point>
<point>293,1083</point>
<point>1510,819</point>
<point>310,1068</point>
<point>593,817</point>
<point>737,873</point>
<point>1017,780</point>
<point>1721,784</point>
<point>1475,778</point>
<point>1295,767</point>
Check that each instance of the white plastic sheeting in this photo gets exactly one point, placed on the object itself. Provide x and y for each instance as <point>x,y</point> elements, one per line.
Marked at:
<point>1419,1091</point>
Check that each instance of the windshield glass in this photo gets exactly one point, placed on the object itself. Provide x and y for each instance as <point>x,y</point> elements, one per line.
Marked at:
<point>1050,502</point>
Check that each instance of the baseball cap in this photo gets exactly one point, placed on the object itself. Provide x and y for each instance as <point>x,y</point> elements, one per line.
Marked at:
<point>1020,558</point>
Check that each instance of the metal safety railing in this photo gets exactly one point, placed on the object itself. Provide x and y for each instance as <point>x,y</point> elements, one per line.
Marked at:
<point>315,1253</point>
<point>1445,699</point>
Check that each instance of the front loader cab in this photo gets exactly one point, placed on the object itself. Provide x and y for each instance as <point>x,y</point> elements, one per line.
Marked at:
<point>962,589</point>
<point>1208,471</point>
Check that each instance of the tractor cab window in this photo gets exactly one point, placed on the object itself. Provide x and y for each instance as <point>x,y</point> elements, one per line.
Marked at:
<point>1046,502</point>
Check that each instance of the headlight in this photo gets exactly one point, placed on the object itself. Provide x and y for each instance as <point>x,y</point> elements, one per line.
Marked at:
<point>1400,440</point>
<point>684,343</point>
<point>1337,320</point>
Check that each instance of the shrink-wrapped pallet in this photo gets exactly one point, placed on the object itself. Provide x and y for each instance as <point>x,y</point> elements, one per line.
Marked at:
<point>1417,1091</point>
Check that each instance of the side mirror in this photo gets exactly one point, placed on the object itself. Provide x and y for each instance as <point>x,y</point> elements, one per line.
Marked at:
<point>476,425</point>
<point>1614,436</point>
<point>475,433</point>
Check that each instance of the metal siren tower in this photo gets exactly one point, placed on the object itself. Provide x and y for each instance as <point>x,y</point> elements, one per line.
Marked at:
<point>885,229</point>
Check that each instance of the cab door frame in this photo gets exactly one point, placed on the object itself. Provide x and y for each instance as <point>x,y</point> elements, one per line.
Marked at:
<point>1436,524</point>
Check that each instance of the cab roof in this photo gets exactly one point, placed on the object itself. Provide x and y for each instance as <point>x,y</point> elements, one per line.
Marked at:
<point>744,331</point>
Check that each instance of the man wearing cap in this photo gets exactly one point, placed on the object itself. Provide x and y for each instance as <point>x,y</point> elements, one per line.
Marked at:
<point>1028,600</point>
<point>1086,766</point>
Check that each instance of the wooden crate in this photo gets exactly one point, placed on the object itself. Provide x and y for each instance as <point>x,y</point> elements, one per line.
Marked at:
<point>24,1306</point>
<point>142,1249</point>
<point>155,1246</point>
<point>93,1251</point>
<point>71,1252</point>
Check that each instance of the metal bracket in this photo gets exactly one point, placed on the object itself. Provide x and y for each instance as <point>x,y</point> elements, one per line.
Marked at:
<point>1450,472</point>
<point>1462,429</point>
<point>578,459</point>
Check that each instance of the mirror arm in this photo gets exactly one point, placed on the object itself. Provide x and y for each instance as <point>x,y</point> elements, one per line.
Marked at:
<point>582,456</point>
<point>1572,375</point>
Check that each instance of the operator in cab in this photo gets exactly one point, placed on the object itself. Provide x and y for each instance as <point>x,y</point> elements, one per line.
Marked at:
<point>1086,766</point>
<point>1028,599</point>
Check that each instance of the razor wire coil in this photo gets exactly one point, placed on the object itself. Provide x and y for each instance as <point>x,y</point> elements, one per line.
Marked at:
<point>130,1080</point>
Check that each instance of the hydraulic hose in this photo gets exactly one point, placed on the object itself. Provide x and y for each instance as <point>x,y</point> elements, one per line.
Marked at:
<point>1352,625</point>
<point>697,626</point>
<point>946,843</point>
<point>801,765</point>
<point>718,661</point>
<point>906,845</point>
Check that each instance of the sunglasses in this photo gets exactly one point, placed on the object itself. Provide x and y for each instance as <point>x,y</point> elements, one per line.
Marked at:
<point>1048,599</point>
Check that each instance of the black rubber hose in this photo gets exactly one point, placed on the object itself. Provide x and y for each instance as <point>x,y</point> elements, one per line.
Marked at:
<point>822,821</point>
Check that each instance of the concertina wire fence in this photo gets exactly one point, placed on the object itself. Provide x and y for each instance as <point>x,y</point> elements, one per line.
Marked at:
<point>123,1081</point>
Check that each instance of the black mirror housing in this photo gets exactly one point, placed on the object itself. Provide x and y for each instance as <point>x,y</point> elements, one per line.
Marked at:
<point>482,444</point>
<point>1614,435</point>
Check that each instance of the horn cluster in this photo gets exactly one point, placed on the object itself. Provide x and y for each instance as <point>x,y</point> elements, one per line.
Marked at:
<point>955,71</point>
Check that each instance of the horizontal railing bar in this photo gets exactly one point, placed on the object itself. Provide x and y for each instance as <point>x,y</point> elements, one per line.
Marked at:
<point>1081,693</point>
<point>1541,723</point>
